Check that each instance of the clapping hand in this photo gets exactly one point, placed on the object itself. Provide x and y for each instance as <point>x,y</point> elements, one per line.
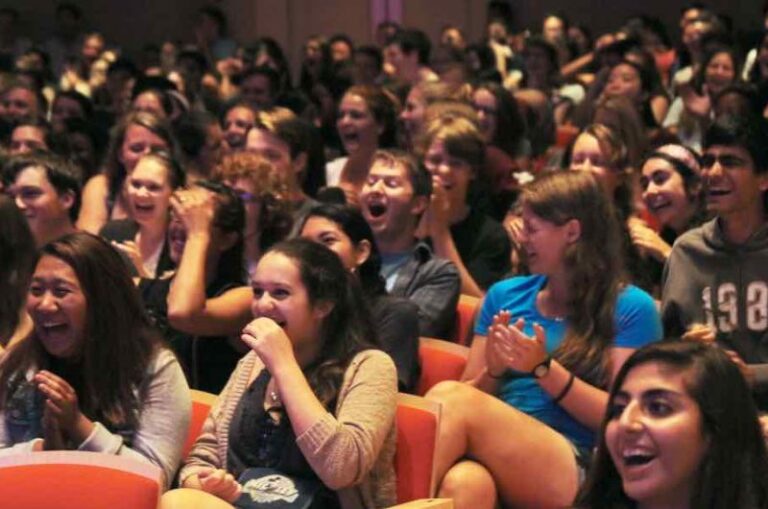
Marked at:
<point>62,407</point>
<point>510,347</point>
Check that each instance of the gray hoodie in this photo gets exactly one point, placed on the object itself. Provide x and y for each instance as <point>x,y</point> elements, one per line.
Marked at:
<point>711,281</point>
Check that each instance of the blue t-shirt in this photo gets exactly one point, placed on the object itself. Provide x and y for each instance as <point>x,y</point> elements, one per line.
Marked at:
<point>637,323</point>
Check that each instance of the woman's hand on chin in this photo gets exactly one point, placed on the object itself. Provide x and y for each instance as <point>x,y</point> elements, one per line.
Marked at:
<point>221,484</point>
<point>270,342</point>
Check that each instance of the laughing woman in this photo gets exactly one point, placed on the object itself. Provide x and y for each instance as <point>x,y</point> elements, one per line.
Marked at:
<point>672,192</point>
<point>312,400</point>
<point>143,238</point>
<point>92,375</point>
<point>546,347</point>
<point>366,122</point>
<point>681,431</point>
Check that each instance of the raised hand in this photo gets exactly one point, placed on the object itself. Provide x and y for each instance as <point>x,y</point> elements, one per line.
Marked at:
<point>131,250</point>
<point>270,342</point>
<point>647,240</point>
<point>195,208</point>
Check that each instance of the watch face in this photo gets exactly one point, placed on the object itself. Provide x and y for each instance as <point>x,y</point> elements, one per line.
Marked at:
<point>540,370</point>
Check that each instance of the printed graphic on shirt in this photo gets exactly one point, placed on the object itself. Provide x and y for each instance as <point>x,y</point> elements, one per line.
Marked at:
<point>721,306</point>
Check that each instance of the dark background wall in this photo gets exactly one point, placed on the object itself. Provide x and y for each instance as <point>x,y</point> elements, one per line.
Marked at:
<point>130,23</point>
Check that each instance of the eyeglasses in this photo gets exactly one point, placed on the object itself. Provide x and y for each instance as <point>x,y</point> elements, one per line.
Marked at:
<point>727,161</point>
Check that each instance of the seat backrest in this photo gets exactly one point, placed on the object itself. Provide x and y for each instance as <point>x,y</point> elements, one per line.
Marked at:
<point>465,317</point>
<point>78,480</point>
<point>201,407</point>
<point>418,421</point>
<point>440,360</point>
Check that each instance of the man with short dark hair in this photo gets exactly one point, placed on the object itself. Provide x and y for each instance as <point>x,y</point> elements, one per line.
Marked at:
<point>47,190</point>
<point>393,199</point>
<point>715,283</point>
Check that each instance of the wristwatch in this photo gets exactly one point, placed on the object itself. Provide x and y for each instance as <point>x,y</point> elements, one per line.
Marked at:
<point>542,369</point>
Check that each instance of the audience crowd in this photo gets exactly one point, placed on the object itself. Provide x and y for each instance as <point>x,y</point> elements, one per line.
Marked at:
<point>196,217</point>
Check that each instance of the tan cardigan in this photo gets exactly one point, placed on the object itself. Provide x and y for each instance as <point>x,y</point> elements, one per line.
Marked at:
<point>351,452</point>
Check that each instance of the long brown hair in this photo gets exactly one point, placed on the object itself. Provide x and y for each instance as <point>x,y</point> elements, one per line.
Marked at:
<point>594,265</point>
<point>118,343</point>
<point>113,168</point>
<point>17,261</point>
<point>347,330</point>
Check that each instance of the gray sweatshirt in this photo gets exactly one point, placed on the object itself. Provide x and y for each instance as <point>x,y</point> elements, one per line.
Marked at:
<point>711,281</point>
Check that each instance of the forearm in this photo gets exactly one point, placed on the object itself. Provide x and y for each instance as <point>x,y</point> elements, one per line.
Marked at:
<point>343,448</point>
<point>583,401</point>
<point>574,66</point>
<point>162,428</point>
<point>300,401</point>
<point>476,373</point>
<point>186,298</point>
<point>444,247</point>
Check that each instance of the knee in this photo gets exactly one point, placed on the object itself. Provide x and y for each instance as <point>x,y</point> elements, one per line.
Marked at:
<point>469,479</point>
<point>448,393</point>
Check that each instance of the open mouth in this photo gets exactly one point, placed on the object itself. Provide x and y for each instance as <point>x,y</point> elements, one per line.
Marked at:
<point>144,208</point>
<point>54,328</point>
<point>718,192</point>
<point>658,206</point>
<point>377,209</point>
<point>350,137</point>
<point>637,459</point>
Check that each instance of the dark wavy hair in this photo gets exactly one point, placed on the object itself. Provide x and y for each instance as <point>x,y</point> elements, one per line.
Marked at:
<point>17,262</point>
<point>347,329</point>
<point>510,123</point>
<point>734,470</point>
<point>118,343</point>
<point>593,263</point>
<point>229,217</point>
<point>354,226</point>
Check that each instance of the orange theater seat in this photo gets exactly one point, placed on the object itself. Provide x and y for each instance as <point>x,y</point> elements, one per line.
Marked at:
<point>418,420</point>
<point>465,318</point>
<point>440,360</point>
<point>201,406</point>
<point>78,480</point>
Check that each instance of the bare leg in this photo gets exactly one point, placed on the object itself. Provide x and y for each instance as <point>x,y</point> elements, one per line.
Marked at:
<point>531,464</point>
<point>469,484</point>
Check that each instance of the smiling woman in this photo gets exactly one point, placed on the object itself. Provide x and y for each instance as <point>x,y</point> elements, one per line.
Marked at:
<point>91,375</point>
<point>312,399</point>
<point>681,431</point>
<point>148,190</point>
